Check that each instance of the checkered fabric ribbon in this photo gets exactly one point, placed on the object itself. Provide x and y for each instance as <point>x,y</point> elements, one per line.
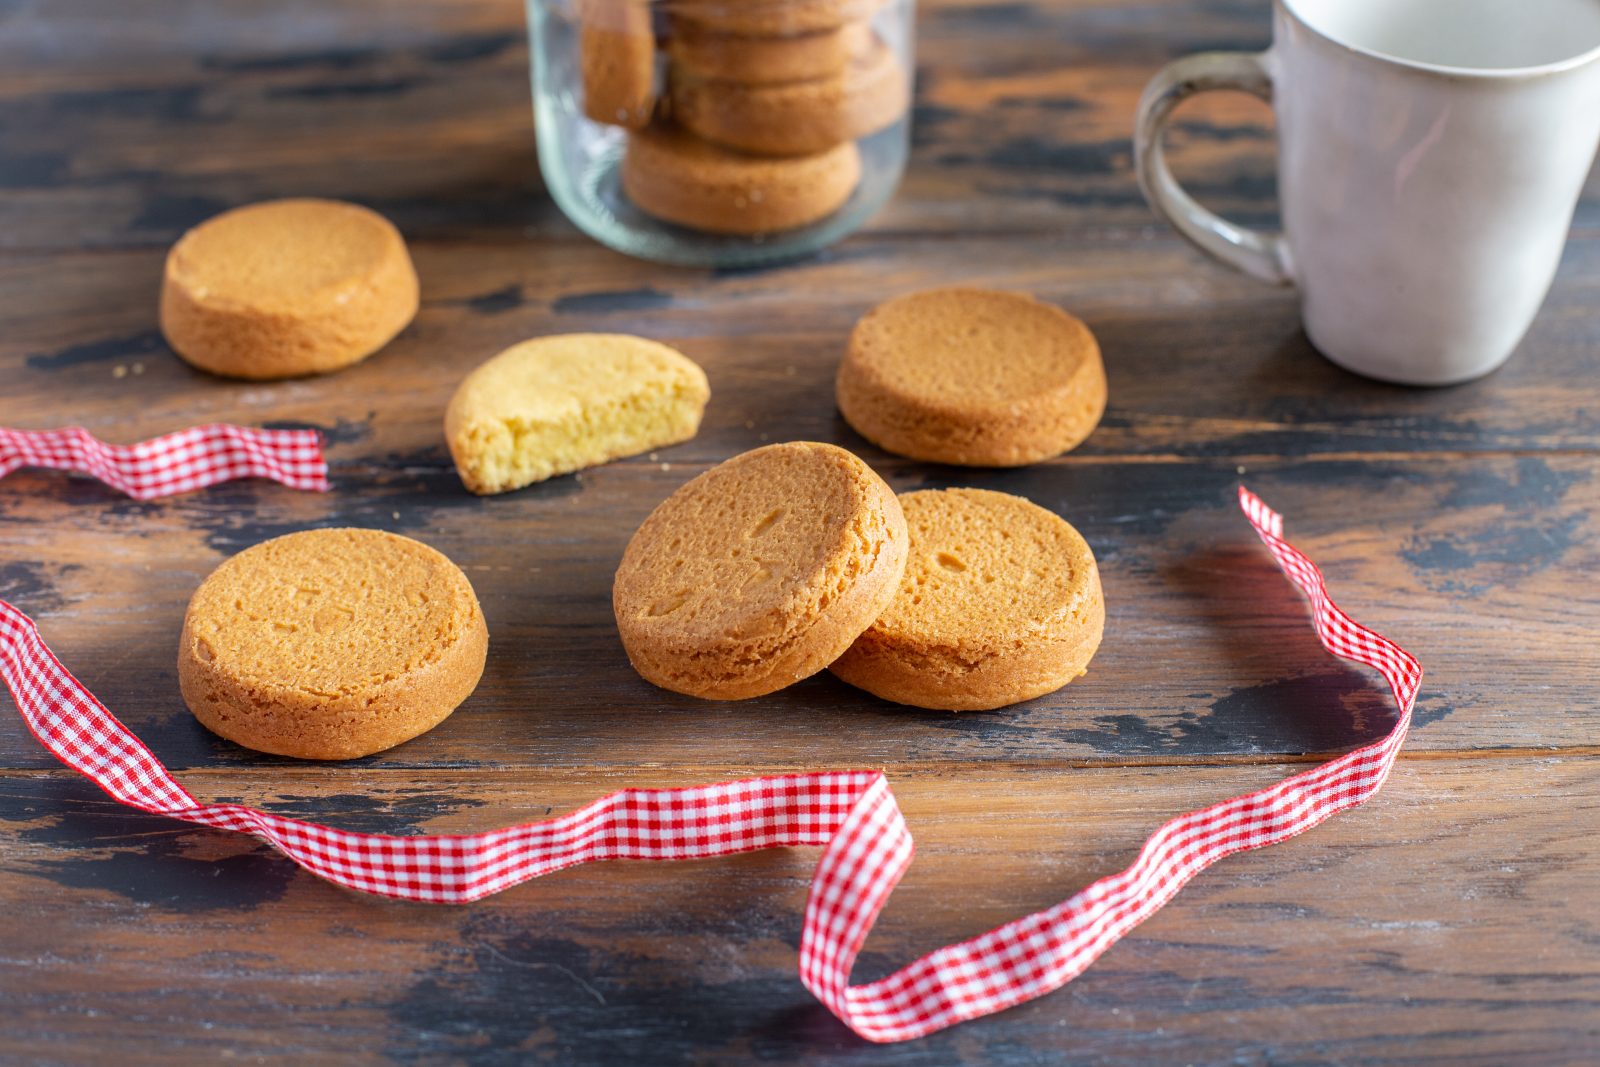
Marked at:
<point>851,814</point>
<point>176,463</point>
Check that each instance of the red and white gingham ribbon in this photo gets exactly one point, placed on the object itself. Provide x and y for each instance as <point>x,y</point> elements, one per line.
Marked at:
<point>852,814</point>
<point>174,463</point>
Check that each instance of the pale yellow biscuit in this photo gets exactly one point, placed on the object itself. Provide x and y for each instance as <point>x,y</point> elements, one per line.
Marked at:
<point>330,644</point>
<point>1000,602</point>
<point>759,572</point>
<point>973,377</point>
<point>684,180</point>
<point>617,61</point>
<point>286,288</point>
<point>795,118</point>
<point>558,404</point>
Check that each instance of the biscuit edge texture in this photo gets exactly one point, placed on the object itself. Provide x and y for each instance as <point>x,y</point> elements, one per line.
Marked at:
<point>730,669</point>
<point>796,118</point>
<point>616,60</point>
<point>475,425</point>
<point>288,720</point>
<point>962,432</point>
<point>989,670</point>
<point>675,177</point>
<point>240,341</point>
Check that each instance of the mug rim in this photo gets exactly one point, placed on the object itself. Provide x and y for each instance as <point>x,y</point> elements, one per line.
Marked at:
<point>1582,59</point>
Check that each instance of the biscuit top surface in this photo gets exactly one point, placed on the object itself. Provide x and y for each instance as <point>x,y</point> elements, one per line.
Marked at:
<point>752,547</point>
<point>549,379</point>
<point>329,612</point>
<point>296,256</point>
<point>986,567</point>
<point>970,347</point>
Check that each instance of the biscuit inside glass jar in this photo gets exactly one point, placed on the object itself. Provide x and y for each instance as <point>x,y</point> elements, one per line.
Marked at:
<point>721,132</point>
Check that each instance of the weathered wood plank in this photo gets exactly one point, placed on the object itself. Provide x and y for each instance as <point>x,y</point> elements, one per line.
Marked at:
<point>1449,920</point>
<point>1200,361</point>
<point>119,135</point>
<point>1439,553</point>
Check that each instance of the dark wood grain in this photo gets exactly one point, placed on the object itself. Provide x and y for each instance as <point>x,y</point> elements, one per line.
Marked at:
<point>1450,921</point>
<point>1446,548</point>
<point>1201,363</point>
<point>1394,933</point>
<point>118,134</point>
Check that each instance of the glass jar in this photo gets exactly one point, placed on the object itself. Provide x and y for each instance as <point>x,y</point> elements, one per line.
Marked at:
<point>721,133</point>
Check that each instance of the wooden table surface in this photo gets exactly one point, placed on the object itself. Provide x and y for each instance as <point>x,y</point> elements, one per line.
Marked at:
<point>1455,919</point>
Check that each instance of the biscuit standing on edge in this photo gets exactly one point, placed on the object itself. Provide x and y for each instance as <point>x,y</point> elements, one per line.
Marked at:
<point>684,180</point>
<point>617,61</point>
<point>759,572</point>
<point>765,60</point>
<point>330,644</point>
<point>1000,603</point>
<point>559,404</point>
<point>796,118</point>
<point>286,288</point>
<point>972,377</point>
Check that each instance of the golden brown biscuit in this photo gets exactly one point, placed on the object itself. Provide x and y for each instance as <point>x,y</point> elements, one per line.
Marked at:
<point>330,644</point>
<point>795,118</point>
<point>771,18</point>
<point>759,572</point>
<point>285,288</point>
<point>684,180</point>
<point>559,404</point>
<point>617,61</point>
<point>713,56</point>
<point>1000,603</point>
<point>972,376</point>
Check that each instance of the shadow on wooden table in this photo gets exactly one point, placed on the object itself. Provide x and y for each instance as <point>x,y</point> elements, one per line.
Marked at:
<point>1334,709</point>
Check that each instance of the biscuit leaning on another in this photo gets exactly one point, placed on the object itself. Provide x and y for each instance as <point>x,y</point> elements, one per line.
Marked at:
<point>558,404</point>
<point>330,644</point>
<point>287,288</point>
<point>759,572</point>
<point>972,376</point>
<point>1001,602</point>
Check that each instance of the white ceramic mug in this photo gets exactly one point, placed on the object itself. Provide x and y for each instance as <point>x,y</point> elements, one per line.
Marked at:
<point>1430,155</point>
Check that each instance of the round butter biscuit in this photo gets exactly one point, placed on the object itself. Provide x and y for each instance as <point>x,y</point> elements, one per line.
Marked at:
<point>765,60</point>
<point>330,644</point>
<point>617,61</point>
<point>759,572</point>
<point>795,118</point>
<point>1000,602</point>
<point>972,377</point>
<point>287,288</point>
<point>771,18</point>
<point>684,180</point>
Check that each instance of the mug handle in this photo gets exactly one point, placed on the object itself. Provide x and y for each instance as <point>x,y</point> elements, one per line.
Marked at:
<point>1257,254</point>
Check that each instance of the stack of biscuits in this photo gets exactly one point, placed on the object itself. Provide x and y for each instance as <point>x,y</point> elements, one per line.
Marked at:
<point>743,115</point>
